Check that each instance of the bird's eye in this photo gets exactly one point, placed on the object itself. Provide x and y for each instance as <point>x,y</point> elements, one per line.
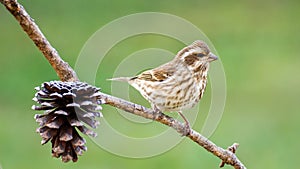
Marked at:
<point>200,55</point>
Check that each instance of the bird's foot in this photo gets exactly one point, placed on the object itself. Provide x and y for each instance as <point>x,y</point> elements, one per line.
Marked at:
<point>156,111</point>
<point>187,128</point>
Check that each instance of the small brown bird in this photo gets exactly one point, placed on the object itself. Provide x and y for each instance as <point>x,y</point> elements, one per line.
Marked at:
<point>178,84</point>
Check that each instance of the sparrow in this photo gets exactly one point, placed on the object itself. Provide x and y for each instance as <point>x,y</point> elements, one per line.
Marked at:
<point>178,84</point>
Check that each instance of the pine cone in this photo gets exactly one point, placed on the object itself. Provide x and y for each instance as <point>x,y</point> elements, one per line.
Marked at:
<point>67,106</point>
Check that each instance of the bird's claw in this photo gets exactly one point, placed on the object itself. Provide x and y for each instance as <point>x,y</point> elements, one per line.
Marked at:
<point>186,130</point>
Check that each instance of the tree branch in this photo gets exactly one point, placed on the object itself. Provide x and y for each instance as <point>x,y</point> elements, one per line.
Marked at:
<point>63,70</point>
<point>227,156</point>
<point>66,73</point>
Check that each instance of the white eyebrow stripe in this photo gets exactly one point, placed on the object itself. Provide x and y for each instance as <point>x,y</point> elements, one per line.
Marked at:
<point>191,51</point>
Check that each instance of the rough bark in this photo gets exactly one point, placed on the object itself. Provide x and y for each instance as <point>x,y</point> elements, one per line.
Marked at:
<point>66,73</point>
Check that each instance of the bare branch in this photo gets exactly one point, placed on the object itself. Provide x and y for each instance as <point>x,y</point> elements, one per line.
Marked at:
<point>231,148</point>
<point>227,156</point>
<point>66,73</point>
<point>63,70</point>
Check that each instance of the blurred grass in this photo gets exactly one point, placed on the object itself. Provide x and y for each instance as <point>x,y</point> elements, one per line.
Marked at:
<point>258,42</point>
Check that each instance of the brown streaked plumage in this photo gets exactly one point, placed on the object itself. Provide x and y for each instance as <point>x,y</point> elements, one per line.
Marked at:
<point>178,84</point>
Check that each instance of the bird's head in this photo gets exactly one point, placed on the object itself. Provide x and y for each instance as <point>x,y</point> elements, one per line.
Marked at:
<point>198,53</point>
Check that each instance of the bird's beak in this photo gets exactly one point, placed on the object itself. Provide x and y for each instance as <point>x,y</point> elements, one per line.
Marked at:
<point>212,57</point>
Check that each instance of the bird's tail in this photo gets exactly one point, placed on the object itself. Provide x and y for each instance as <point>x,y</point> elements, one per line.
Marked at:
<point>121,79</point>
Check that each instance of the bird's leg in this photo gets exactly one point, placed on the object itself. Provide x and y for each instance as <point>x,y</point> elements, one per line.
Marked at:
<point>187,127</point>
<point>156,110</point>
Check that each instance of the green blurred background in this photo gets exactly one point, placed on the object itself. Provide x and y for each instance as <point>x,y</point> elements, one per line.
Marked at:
<point>258,42</point>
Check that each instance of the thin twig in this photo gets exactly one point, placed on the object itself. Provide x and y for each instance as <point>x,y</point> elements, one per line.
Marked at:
<point>231,148</point>
<point>66,73</point>
<point>227,156</point>
<point>63,70</point>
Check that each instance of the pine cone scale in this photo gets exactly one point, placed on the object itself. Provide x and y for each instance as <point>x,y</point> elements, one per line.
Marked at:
<point>68,106</point>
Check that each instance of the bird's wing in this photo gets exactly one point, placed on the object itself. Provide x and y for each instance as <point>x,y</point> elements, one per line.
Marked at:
<point>158,74</point>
